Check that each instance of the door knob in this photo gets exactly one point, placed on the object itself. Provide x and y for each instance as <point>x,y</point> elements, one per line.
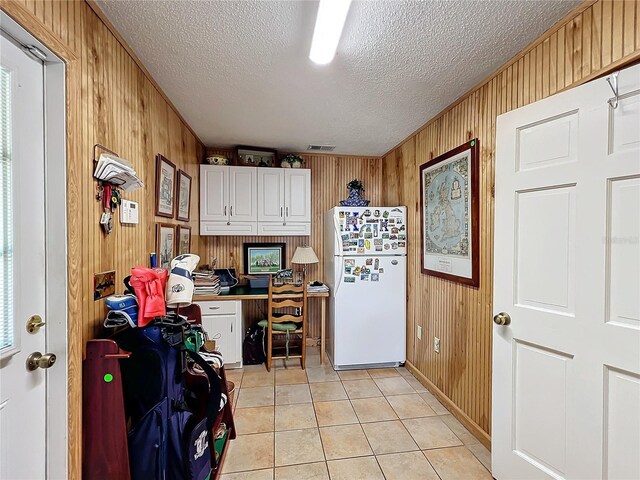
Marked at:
<point>35,323</point>
<point>502,318</point>
<point>38,360</point>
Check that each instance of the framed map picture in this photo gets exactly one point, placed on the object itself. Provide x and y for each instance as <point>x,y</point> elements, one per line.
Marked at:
<point>184,196</point>
<point>165,244</point>
<point>183,238</point>
<point>165,187</point>
<point>449,193</point>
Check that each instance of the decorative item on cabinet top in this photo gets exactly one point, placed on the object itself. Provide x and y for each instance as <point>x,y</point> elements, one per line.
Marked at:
<point>256,156</point>
<point>292,161</point>
<point>356,188</point>
<point>217,160</point>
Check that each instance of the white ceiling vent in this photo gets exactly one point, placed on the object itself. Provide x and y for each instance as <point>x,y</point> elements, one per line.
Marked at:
<point>321,148</point>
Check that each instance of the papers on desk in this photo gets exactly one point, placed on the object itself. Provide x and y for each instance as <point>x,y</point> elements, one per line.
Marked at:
<point>206,283</point>
<point>118,172</point>
<point>317,288</point>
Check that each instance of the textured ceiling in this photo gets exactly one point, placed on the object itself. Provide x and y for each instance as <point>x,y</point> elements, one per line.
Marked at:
<point>239,73</point>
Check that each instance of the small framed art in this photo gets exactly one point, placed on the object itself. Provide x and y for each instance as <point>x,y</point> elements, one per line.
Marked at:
<point>165,187</point>
<point>256,156</point>
<point>264,258</point>
<point>183,212</point>
<point>449,196</point>
<point>165,244</point>
<point>183,239</point>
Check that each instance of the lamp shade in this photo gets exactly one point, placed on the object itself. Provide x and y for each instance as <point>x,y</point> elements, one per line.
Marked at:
<point>304,256</point>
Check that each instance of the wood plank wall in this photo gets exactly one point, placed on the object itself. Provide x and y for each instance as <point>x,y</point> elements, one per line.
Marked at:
<point>329,177</point>
<point>110,101</point>
<point>596,38</point>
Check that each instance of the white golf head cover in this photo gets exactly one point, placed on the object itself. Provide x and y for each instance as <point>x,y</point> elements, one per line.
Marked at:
<point>180,284</point>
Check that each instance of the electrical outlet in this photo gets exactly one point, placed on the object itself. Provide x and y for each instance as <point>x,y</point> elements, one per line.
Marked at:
<point>436,344</point>
<point>419,332</point>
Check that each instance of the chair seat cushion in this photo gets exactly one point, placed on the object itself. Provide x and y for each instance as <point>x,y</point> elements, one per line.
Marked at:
<point>279,327</point>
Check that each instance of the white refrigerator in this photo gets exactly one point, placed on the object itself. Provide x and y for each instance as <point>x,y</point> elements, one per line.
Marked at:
<point>365,269</point>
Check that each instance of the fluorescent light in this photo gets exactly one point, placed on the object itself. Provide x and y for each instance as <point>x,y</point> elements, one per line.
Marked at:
<point>326,35</point>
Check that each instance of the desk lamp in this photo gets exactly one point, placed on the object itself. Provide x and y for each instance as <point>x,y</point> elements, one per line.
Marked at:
<point>304,256</point>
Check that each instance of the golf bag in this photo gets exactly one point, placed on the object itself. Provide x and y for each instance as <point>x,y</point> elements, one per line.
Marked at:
<point>167,440</point>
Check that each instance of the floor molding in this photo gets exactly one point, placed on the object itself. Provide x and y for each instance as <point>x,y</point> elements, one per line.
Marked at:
<point>473,427</point>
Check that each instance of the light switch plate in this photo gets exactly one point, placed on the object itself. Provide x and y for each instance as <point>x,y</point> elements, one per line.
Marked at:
<point>419,332</point>
<point>436,344</point>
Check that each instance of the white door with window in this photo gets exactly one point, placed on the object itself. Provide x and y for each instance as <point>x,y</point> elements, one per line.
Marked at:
<point>22,265</point>
<point>566,337</point>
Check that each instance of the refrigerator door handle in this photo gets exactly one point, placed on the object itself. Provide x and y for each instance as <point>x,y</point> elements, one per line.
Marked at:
<point>340,279</point>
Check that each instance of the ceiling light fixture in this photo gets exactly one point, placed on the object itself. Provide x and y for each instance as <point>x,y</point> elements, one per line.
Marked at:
<point>326,35</point>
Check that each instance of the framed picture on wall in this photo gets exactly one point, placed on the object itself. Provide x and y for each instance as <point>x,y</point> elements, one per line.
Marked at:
<point>165,187</point>
<point>449,190</point>
<point>165,244</point>
<point>264,258</point>
<point>184,196</point>
<point>183,239</point>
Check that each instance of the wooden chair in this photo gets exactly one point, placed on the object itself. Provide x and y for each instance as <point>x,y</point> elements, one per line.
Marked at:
<point>287,296</point>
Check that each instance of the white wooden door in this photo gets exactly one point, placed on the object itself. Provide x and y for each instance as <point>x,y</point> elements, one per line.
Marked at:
<point>214,193</point>
<point>271,195</point>
<point>297,195</point>
<point>22,264</point>
<point>242,194</point>
<point>566,369</point>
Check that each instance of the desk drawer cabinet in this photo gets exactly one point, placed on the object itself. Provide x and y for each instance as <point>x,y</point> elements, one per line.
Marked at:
<point>222,320</point>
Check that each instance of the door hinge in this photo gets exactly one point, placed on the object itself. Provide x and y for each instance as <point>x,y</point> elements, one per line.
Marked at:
<point>36,53</point>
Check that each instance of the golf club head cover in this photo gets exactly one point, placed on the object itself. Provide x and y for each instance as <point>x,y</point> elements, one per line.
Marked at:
<point>149,285</point>
<point>180,284</point>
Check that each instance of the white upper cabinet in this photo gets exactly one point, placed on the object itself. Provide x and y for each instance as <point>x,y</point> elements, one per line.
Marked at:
<point>228,201</point>
<point>284,201</point>
<point>297,195</point>
<point>254,201</point>
<point>242,194</point>
<point>271,195</point>
<point>214,193</point>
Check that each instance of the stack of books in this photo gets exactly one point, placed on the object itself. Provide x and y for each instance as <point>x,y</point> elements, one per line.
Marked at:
<point>205,283</point>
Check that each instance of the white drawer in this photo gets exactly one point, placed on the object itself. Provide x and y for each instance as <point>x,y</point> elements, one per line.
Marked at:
<point>225,307</point>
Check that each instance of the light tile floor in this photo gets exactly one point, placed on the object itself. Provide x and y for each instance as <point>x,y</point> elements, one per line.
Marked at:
<point>355,425</point>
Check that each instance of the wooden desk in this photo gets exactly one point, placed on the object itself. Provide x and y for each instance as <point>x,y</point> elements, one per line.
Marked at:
<point>248,293</point>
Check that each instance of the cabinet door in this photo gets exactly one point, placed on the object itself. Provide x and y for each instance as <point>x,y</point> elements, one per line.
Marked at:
<point>242,194</point>
<point>297,193</point>
<point>271,195</point>
<point>222,329</point>
<point>214,193</point>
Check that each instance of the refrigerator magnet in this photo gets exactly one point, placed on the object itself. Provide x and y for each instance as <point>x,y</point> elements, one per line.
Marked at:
<point>379,248</point>
<point>349,262</point>
<point>349,279</point>
<point>377,241</point>
<point>386,246</point>
<point>340,214</point>
<point>357,270</point>
<point>384,225</point>
<point>367,244</point>
<point>366,271</point>
<point>376,264</point>
<point>402,244</point>
<point>361,242</point>
<point>375,277</point>
<point>385,235</point>
<point>360,250</point>
<point>367,213</point>
<point>347,270</point>
<point>381,270</point>
<point>368,235</point>
<point>364,277</point>
<point>394,245</point>
<point>376,213</point>
<point>385,214</point>
<point>369,261</point>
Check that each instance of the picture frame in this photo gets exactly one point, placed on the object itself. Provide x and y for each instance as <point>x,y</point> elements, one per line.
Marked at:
<point>449,192</point>
<point>183,194</point>
<point>165,244</point>
<point>183,240</point>
<point>165,186</point>
<point>264,258</point>
<point>256,156</point>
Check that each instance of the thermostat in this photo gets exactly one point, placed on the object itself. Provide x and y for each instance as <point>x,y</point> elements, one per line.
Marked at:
<point>129,212</point>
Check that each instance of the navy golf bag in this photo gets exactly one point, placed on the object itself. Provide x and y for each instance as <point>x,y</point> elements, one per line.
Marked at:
<point>166,439</point>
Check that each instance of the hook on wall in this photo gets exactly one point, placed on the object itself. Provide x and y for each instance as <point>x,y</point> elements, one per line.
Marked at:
<point>612,80</point>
